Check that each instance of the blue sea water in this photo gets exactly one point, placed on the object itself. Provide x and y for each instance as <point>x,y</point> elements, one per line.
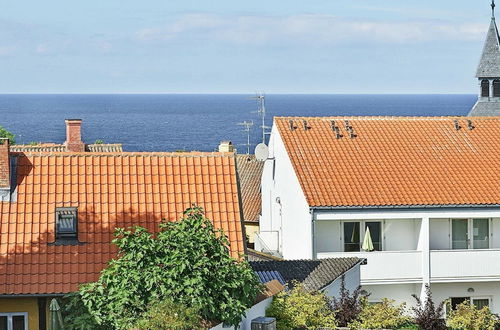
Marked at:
<point>195,122</point>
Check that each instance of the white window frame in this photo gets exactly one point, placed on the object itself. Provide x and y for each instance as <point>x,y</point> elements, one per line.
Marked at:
<point>490,300</point>
<point>362,231</point>
<point>9,319</point>
<point>470,228</point>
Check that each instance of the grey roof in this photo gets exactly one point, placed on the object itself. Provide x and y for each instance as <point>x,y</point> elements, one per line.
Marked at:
<point>485,109</point>
<point>489,66</point>
<point>253,255</point>
<point>313,274</point>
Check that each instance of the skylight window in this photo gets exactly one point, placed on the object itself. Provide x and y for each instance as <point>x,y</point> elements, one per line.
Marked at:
<point>66,223</point>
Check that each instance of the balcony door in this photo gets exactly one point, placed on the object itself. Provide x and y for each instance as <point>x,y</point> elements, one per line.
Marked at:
<point>470,234</point>
<point>354,233</point>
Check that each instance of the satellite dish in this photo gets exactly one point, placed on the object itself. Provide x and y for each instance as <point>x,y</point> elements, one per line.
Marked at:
<point>261,152</point>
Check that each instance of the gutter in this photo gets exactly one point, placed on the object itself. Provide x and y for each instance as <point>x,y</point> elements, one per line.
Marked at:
<point>32,295</point>
<point>313,231</point>
<point>405,207</point>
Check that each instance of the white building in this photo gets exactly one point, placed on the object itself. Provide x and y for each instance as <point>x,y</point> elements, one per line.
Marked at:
<point>427,188</point>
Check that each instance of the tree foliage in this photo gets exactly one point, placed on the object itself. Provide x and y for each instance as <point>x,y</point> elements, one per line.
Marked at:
<point>348,306</point>
<point>6,134</point>
<point>300,309</point>
<point>167,315</point>
<point>76,316</point>
<point>468,317</point>
<point>384,315</point>
<point>188,262</point>
<point>427,315</point>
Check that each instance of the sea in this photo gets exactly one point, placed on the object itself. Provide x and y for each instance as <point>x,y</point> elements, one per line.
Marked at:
<point>173,122</point>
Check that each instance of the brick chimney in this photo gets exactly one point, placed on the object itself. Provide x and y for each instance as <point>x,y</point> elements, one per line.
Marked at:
<point>4,165</point>
<point>74,141</point>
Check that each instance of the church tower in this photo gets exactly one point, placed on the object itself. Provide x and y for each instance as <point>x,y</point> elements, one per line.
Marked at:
<point>488,73</point>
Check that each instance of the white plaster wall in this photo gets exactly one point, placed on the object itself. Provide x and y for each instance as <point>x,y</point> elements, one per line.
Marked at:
<point>352,282</point>
<point>400,293</point>
<point>442,291</point>
<point>328,236</point>
<point>290,216</point>
<point>255,311</point>
<point>439,234</point>
<point>400,234</point>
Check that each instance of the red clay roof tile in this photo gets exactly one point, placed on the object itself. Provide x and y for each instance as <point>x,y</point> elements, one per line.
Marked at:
<point>110,190</point>
<point>395,161</point>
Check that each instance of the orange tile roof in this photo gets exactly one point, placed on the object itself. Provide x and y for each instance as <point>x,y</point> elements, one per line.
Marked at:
<point>110,190</point>
<point>395,161</point>
<point>250,174</point>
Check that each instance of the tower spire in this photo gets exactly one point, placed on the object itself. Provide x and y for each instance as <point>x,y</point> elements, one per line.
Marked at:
<point>493,9</point>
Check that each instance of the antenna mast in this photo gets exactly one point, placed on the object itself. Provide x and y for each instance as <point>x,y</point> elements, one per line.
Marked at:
<point>247,126</point>
<point>261,101</point>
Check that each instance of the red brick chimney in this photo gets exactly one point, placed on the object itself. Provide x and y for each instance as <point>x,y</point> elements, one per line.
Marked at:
<point>74,135</point>
<point>4,164</point>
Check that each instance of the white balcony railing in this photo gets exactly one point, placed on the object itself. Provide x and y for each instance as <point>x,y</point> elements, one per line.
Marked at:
<point>385,266</point>
<point>465,265</point>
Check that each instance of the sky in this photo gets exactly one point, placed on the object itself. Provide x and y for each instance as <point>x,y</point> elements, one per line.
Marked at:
<point>233,46</point>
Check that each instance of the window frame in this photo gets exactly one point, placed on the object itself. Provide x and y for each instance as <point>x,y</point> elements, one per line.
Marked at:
<point>470,233</point>
<point>63,212</point>
<point>9,319</point>
<point>362,231</point>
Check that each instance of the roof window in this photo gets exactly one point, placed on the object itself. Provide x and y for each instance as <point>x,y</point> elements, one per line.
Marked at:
<point>66,223</point>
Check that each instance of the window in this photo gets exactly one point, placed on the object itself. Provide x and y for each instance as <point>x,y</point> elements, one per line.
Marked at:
<point>485,88</point>
<point>66,223</point>
<point>355,232</point>
<point>470,234</point>
<point>479,302</point>
<point>13,321</point>
<point>496,88</point>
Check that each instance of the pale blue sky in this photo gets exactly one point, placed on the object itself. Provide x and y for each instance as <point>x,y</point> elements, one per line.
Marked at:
<point>233,46</point>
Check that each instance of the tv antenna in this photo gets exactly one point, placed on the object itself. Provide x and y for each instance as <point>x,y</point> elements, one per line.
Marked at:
<point>261,101</point>
<point>247,126</point>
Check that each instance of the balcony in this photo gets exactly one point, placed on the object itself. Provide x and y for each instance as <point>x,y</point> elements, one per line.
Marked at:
<point>465,265</point>
<point>388,267</point>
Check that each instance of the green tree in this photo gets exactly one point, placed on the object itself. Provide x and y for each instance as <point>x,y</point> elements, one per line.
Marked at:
<point>384,315</point>
<point>187,262</point>
<point>167,315</point>
<point>300,309</point>
<point>468,317</point>
<point>6,134</point>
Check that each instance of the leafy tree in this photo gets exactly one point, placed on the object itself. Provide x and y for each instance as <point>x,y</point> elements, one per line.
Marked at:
<point>299,309</point>
<point>468,317</point>
<point>384,315</point>
<point>6,134</point>
<point>169,315</point>
<point>427,315</point>
<point>187,262</point>
<point>76,316</point>
<point>348,307</point>
<point>99,141</point>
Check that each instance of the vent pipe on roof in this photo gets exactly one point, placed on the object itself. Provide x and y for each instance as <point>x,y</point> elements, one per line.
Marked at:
<point>74,141</point>
<point>306,126</point>
<point>457,125</point>
<point>336,129</point>
<point>470,125</point>
<point>349,129</point>
<point>292,125</point>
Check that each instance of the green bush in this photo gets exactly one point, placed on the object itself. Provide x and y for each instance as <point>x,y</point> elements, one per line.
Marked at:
<point>299,309</point>
<point>468,317</point>
<point>384,315</point>
<point>99,141</point>
<point>169,315</point>
<point>186,261</point>
<point>6,134</point>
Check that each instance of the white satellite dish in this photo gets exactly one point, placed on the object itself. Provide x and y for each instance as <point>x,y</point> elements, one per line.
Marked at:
<point>261,152</point>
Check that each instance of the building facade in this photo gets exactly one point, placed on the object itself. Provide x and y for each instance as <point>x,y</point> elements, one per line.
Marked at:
<point>427,189</point>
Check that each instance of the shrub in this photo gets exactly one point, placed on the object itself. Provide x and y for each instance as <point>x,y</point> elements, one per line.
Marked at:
<point>187,261</point>
<point>6,134</point>
<point>348,307</point>
<point>169,315</point>
<point>99,141</point>
<point>468,317</point>
<point>384,315</point>
<point>427,315</point>
<point>76,316</point>
<point>299,309</point>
